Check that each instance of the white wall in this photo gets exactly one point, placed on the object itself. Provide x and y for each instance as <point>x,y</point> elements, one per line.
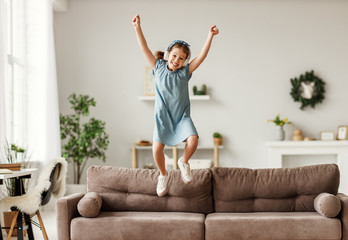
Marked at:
<point>261,45</point>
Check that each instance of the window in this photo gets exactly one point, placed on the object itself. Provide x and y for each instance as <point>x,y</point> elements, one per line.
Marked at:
<point>15,84</point>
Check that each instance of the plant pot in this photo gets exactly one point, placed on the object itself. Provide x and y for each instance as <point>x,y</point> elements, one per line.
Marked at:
<point>8,217</point>
<point>19,158</point>
<point>280,133</point>
<point>218,141</point>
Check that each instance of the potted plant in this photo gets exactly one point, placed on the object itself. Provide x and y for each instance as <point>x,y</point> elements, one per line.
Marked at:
<point>14,152</point>
<point>15,157</point>
<point>280,133</point>
<point>83,139</point>
<point>202,91</point>
<point>217,138</point>
<point>20,154</point>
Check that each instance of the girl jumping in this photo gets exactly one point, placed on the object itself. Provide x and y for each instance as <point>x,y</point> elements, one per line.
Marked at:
<point>173,123</point>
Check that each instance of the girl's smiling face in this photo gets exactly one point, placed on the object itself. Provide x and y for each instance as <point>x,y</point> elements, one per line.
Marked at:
<point>176,58</point>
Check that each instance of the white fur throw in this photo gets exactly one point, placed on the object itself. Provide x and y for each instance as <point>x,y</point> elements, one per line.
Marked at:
<point>30,202</point>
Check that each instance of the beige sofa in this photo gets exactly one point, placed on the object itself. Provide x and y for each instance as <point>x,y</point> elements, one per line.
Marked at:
<point>220,203</point>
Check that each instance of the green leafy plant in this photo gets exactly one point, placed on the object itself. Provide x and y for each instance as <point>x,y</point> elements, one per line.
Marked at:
<point>14,147</point>
<point>11,153</point>
<point>10,156</point>
<point>20,150</point>
<point>202,91</point>
<point>217,135</point>
<point>83,140</point>
<point>278,121</point>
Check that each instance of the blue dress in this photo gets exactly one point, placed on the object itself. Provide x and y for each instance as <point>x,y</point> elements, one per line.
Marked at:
<point>173,123</point>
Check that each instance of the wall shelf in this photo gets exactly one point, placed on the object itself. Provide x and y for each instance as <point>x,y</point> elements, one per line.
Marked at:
<point>194,98</point>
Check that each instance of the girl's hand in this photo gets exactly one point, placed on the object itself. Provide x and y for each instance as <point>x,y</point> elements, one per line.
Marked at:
<point>136,21</point>
<point>213,31</point>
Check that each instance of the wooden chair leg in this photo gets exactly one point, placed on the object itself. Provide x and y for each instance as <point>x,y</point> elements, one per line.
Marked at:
<point>14,220</point>
<point>42,225</point>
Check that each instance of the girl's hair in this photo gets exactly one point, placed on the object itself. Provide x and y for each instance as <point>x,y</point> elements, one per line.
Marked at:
<point>160,55</point>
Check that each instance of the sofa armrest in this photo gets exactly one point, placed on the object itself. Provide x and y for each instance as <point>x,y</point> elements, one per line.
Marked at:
<point>344,215</point>
<point>66,211</point>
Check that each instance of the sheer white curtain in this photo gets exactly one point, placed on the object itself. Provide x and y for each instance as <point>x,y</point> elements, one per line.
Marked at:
<point>2,70</point>
<point>2,82</point>
<point>43,134</point>
<point>34,119</point>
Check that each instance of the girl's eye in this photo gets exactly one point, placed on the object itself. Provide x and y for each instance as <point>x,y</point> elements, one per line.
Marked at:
<point>181,59</point>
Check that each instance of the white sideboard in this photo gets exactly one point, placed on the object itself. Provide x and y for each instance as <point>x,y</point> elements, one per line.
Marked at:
<point>278,149</point>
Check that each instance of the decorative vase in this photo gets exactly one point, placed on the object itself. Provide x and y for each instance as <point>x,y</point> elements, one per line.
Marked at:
<point>280,133</point>
<point>297,135</point>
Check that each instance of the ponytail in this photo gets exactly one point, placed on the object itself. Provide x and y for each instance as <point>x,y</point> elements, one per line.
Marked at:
<point>159,55</point>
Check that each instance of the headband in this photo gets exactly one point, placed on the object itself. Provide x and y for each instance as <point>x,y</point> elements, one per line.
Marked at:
<point>166,52</point>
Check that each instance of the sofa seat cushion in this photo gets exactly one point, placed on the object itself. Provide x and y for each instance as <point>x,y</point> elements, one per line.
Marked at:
<point>139,225</point>
<point>272,225</point>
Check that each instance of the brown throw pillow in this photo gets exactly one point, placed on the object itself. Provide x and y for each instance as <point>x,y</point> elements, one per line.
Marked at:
<point>327,205</point>
<point>89,206</point>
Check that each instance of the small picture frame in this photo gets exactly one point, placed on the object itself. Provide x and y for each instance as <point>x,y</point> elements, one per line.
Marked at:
<point>149,82</point>
<point>342,133</point>
<point>327,136</point>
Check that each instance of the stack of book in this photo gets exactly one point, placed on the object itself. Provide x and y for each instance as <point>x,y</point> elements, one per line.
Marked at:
<point>9,167</point>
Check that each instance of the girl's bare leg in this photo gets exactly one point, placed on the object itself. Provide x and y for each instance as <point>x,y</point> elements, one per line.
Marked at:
<point>190,148</point>
<point>158,155</point>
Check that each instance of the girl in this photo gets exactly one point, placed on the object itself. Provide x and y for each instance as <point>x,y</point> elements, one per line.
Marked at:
<point>173,123</point>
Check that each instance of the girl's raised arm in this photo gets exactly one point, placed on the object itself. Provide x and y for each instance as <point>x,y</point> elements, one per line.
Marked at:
<point>142,42</point>
<point>200,58</point>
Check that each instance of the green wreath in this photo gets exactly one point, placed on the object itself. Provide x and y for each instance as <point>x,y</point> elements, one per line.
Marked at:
<point>297,89</point>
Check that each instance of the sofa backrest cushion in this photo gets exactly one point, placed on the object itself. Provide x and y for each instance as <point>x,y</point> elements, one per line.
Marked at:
<point>124,189</point>
<point>272,190</point>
